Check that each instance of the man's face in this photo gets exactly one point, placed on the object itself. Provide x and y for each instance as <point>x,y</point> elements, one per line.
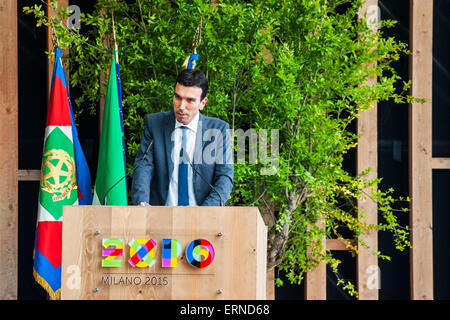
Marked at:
<point>187,103</point>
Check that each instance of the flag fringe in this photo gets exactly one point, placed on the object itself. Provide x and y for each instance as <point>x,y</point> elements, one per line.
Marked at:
<point>44,284</point>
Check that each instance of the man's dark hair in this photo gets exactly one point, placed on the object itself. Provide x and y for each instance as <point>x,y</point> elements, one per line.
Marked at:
<point>194,78</point>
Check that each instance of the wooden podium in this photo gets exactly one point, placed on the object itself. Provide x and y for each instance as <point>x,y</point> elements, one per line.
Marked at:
<point>237,235</point>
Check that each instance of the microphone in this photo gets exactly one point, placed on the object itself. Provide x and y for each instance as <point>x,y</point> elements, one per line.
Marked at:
<point>129,173</point>
<point>201,175</point>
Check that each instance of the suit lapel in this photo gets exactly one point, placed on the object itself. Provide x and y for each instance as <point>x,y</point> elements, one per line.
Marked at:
<point>199,143</point>
<point>169,128</point>
<point>198,151</point>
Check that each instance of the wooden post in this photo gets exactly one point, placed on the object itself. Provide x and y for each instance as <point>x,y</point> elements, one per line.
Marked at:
<point>367,157</point>
<point>270,284</point>
<point>316,280</point>
<point>420,149</point>
<point>316,283</point>
<point>9,149</point>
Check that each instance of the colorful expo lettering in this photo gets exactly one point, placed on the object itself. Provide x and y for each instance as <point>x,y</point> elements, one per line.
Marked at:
<point>199,253</point>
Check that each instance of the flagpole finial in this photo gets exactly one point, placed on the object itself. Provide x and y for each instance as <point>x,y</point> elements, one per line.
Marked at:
<point>197,36</point>
<point>190,61</point>
<point>55,41</point>
<point>116,47</point>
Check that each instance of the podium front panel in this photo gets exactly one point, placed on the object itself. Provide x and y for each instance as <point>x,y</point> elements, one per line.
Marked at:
<point>115,252</point>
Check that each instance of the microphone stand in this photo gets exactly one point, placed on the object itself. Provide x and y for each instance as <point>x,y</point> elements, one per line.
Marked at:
<point>128,174</point>
<point>201,175</point>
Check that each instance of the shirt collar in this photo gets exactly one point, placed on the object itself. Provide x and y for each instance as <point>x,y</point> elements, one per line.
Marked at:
<point>191,125</point>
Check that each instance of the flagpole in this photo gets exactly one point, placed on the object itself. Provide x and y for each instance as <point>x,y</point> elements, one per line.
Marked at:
<point>116,47</point>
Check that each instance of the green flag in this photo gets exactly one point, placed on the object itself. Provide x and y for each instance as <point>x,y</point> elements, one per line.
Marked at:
<point>110,184</point>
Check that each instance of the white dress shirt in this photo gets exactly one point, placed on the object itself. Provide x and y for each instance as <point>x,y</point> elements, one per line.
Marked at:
<point>177,136</point>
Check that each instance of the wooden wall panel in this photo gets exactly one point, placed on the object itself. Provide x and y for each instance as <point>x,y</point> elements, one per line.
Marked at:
<point>9,149</point>
<point>420,149</point>
<point>34,175</point>
<point>367,157</point>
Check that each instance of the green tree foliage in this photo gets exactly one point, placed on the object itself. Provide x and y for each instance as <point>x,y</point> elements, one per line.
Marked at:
<point>297,66</point>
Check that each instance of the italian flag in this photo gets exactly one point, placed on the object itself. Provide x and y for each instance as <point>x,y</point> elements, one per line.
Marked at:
<point>110,183</point>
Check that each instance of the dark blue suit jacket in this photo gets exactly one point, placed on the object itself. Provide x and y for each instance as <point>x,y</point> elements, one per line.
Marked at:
<point>213,158</point>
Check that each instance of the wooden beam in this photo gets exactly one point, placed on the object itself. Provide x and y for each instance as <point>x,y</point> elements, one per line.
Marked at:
<point>420,149</point>
<point>440,163</point>
<point>367,157</point>
<point>29,175</point>
<point>337,244</point>
<point>9,149</point>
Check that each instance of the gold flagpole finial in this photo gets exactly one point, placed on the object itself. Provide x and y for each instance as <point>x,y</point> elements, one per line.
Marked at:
<point>116,47</point>
<point>197,36</point>
<point>196,40</point>
<point>55,41</point>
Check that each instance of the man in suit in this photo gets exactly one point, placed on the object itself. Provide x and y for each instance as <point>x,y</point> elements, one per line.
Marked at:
<point>185,158</point>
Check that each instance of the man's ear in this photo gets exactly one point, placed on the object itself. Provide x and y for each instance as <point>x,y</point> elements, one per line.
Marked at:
<point>203,103</point>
